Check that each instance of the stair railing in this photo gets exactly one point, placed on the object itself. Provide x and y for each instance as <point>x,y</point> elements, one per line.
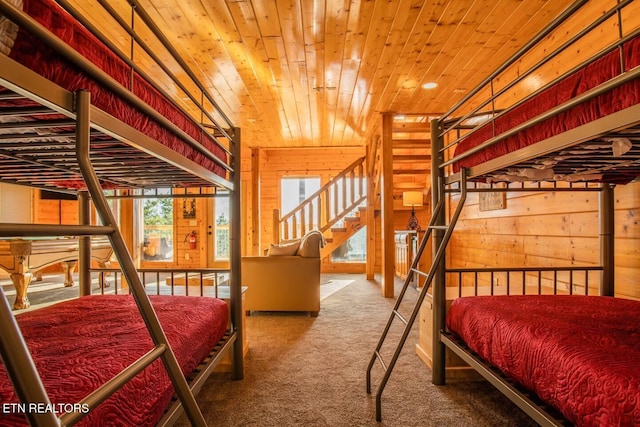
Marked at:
<point>324,208</point>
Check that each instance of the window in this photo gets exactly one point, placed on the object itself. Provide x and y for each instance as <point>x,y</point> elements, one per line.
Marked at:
<point>353,250</point>
<point>292,192</point>
<point>221,227</point>
<point>295,190</point>
<point>158,227</point>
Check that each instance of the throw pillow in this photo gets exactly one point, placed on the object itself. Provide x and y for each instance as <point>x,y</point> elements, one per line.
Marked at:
<point>284,249</point>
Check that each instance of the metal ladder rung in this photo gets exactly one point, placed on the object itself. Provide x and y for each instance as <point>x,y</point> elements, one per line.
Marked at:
<point>399,316</point>
<point>421,273</point>
<point>439,227</point>
<point>53,230</point>
<point>381,360</point>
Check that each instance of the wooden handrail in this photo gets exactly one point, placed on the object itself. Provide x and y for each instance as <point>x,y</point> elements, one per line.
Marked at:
<point>326,206</point>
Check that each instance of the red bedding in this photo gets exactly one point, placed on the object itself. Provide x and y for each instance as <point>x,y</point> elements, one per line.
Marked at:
<point>77,345</point>
<point>581,354</point>
<point>38,57</point>
<point>594,74</point>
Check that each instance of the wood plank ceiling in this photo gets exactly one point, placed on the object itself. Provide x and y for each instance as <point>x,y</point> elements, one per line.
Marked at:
<point>316,73</point>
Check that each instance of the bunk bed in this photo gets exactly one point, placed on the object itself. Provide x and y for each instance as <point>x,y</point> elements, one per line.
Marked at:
<point>560,358</point>
<point>79,117</point>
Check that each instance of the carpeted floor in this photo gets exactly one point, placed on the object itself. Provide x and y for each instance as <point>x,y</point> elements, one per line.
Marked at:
<point>304,371</point>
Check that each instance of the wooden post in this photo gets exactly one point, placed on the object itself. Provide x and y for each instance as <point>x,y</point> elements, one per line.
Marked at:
<point>371,225</point>
<point>235,281</point>
<point>388,241</point>
<point>607,239</point>
<point>255,202</point>
<point>438,287</point>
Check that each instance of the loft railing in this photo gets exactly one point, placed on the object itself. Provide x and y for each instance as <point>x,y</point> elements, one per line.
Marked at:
<point>326,207</point>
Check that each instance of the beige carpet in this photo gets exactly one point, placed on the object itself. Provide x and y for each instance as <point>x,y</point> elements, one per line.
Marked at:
<point>304,371</point>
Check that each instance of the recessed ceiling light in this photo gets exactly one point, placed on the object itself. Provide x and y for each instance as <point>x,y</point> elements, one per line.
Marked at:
<point>430,85</point>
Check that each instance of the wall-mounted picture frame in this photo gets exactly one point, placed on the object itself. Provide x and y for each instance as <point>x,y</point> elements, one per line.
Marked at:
<point>188,208</point>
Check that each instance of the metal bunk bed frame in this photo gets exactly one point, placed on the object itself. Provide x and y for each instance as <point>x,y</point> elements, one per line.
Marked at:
<point>13,350</point>
<point>440,229</point>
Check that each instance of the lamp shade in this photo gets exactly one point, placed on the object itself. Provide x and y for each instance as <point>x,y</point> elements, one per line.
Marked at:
<point>412,198</point>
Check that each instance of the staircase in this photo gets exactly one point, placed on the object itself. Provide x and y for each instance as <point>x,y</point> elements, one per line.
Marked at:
<point>335,209</point>
<point>340,233</point>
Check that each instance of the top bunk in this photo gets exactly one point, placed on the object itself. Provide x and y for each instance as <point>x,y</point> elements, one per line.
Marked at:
<point>565,107</point>
<point>140,136</point>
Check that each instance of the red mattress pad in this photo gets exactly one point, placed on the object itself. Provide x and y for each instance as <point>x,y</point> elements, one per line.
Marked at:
<point>39,57</point>
<point>589,77</point>
<point>78,345</point>
<point>580,354</point>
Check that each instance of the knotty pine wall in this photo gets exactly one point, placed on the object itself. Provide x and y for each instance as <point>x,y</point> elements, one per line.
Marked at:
<point>549,229</point>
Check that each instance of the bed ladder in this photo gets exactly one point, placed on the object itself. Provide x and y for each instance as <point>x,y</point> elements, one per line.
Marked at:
<point>14,352</point>
<point>437,223</point>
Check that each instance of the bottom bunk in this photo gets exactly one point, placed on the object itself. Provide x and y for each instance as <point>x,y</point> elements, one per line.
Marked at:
<point>578,354</point>
<point>80,344</point>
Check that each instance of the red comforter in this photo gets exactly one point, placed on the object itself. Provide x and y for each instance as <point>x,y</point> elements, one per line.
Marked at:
<point>77,345</point>
<point>580,354</point>
<point>38,57</point>
<point>594,74</point>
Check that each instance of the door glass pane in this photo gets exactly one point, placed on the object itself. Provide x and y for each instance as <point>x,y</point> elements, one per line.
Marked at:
<point>221,210</point>
<point>158,228</point>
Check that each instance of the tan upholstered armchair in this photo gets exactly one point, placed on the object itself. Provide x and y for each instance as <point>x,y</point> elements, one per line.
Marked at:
<point>288,279</point>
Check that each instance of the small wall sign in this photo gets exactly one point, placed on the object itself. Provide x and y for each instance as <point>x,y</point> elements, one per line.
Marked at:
<point>493,200</point>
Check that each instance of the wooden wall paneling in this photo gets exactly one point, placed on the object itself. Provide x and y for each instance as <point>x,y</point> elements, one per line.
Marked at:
<point>627,254</point>
<point>46,211</point>
<point>560,224</point>
<point>627,282</point>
